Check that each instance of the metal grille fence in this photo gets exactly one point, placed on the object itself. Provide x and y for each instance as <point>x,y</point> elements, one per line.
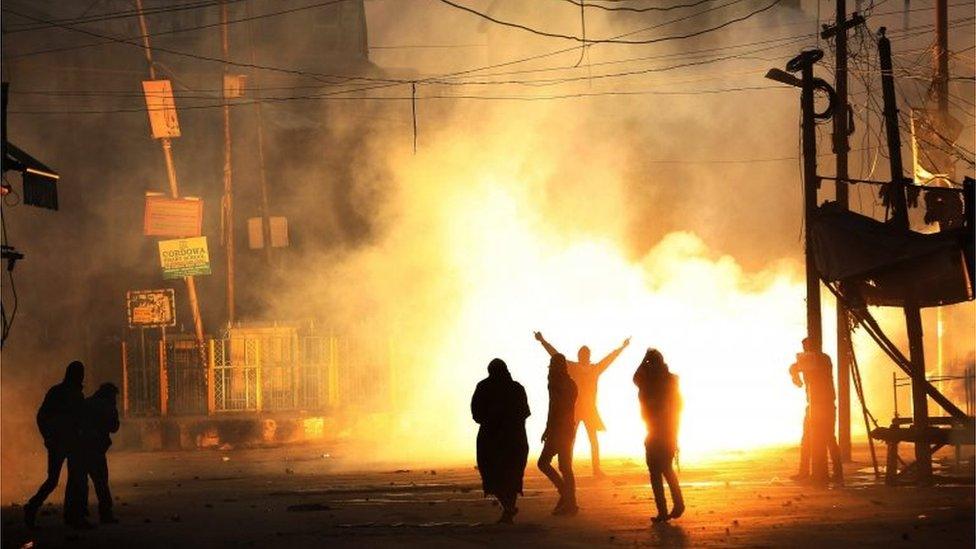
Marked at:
<point>235,363</point>
<point>269,369</point>
<point>141,366</point>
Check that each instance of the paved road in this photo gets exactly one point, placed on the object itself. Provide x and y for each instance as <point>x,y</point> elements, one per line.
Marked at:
<point>303,496</point>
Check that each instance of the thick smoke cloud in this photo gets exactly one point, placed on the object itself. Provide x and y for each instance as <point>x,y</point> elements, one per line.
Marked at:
<point>589,218</point>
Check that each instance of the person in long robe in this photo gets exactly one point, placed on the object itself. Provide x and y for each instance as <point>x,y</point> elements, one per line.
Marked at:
<point>586,375</point>
<point>660,400</point>
<point>560,435</point>
<point>499,406</point>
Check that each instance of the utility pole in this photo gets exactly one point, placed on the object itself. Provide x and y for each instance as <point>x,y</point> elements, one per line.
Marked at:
<point>174,190</point>
<point>840,148</point>
<point>811,182</point>
<point>942,58</point>
<point>803,63</point>
<point>843,323</point>
<point>940,86</point>
<point>227,209</point>
<point>913,319</point>
<point>265,213</point>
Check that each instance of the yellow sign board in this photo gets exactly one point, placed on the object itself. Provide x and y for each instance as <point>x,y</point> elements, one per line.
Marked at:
<point>162,108</point>
<point>184,257</point>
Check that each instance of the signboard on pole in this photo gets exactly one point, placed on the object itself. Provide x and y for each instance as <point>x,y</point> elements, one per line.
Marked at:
<point>184,257</point>
<point>173,216</point>
<point>279,232</point>
<point>150,308</point>
<point>162,108</point>
<point>234,85</point>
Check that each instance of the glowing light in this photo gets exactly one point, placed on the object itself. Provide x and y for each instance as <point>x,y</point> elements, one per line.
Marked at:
<point>728,334</point>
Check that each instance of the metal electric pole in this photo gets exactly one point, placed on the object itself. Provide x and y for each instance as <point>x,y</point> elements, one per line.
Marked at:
<point>896,197</point>
<point>174,190</point>
<point>227,207</point>
<point>840,148</point>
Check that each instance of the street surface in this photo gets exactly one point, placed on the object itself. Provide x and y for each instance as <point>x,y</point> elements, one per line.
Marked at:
<point>309,496</point>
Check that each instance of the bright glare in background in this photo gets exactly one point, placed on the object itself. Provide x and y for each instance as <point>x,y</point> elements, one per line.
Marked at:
<point>729,335</point>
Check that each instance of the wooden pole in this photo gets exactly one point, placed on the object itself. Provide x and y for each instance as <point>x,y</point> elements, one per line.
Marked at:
<point>818,446</point>
<point>841,148</point>
<point>810,184</point>
<point>913,319</point>
<point>262,171</point>
<point>125,380</point>
<point>228,202</point>
<point>941,88</point>
<point>942,57</point>
<point>174,191</point>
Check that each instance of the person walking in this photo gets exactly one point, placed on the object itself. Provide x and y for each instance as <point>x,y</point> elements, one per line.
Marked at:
<point>57,421</point>
<point>587,376</point>
<point>559,436</point>
<point>499,406</point>
<point>660,400</point>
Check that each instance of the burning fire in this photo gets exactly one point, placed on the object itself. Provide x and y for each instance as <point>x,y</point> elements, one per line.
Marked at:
<point>485,254</point>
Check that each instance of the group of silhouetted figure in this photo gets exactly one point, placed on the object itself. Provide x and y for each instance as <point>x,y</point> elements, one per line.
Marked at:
<point>500,407</point>
<point>77,430</point>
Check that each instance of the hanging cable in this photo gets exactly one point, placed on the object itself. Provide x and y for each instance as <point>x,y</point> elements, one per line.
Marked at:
<point>413,110</point>
<point>610,40</point>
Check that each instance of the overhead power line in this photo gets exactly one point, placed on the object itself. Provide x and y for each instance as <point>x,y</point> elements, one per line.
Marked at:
<point>588,40</point>
<point>124,14</point>
<point>580,4</point>
<point>338,96</point>
<point>116,40</point>
<point>140,45</point>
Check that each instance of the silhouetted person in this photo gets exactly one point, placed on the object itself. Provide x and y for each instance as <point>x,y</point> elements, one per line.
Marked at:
<point>660,399</point>
<point>560,434</point>
<point>818,439</point>
<point>500,407</point>
<point>99,419</point>
<point>58,422</point>
<point>586,376</point>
